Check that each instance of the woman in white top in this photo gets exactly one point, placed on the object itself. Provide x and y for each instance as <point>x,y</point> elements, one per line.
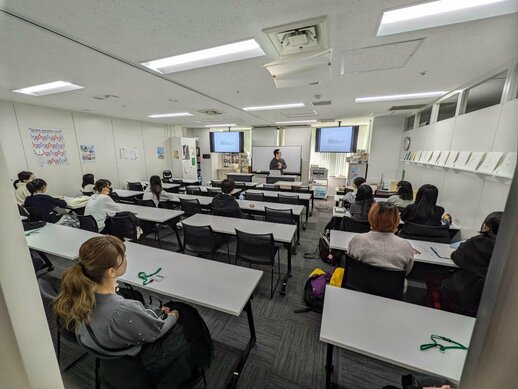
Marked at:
<point>155,192</point>
<point>101,205</point>
<point>404,195</point>
<point>20,186</point>
<point>87,187</point>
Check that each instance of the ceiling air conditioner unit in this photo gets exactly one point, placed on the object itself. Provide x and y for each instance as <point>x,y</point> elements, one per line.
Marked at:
<point>301,69</point>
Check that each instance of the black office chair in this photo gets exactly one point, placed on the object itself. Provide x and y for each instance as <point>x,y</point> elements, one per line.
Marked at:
<point>282,216</point>
<point>253,196</point>
<point>135,186</point>
<point>35,214</point>
<point>437,234</point>
<point>179,182</point>
<point>213,192</point>
<point>235,213</point>
<point>302,189</point>
<point>240,185</point>
<point>190,207</point>
<point>147,226</point>
<point>23,212</point>
<point>203,241</point>
<point>123,227</point>
<point>145,203</point>
<point>259,249</point>
<point>115,197</point>
<point>193,190</point>
<point>353,225</point>
<point>379,281</point>
<point>175,189</point>
<point>88,223</point>
<point>49,294</point>
<point>167,176</point>
<point>272,187</point>
<point>216,183</point>
<point>286,199</point>
<point>87,193</point>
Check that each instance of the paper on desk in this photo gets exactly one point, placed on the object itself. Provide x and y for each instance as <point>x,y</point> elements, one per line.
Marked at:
<point>440,252</point>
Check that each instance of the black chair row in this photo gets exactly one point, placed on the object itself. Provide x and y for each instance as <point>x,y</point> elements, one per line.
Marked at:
<point>283,199</point>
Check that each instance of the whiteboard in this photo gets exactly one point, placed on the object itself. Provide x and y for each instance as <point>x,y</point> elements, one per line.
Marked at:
<point>262,155</point>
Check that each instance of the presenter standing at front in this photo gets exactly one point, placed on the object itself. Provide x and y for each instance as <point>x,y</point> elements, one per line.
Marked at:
<point>277,163</point>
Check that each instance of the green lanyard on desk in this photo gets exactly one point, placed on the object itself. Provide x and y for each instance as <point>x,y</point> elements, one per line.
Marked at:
<point>442,348</point>
<point>146,278</point>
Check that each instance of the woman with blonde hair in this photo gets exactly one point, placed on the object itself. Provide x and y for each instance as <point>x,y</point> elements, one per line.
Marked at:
<point>171,351</point>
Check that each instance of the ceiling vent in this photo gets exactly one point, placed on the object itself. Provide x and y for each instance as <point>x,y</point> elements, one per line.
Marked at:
<point>327,120</point>
<point>291,115</point>
<point>320,103</point>
<point>406,107</point>
<point>209,112</point>
<point>299,37</point>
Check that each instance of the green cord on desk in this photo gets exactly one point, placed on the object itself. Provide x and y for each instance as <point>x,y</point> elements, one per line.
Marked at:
<point>146,278</point>
<point>442,348</point>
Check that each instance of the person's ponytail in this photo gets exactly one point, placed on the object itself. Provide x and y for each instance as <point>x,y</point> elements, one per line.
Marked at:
<point>22,176</point>
<point>76,300</point>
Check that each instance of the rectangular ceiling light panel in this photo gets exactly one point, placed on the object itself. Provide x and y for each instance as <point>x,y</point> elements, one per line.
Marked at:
<point>297,122</point>
<point>169,115</point>
<point>399,97</point>
<point>207,57</point>
<point>48,89</point>
<point>272,107</point>
<point>442,13</point>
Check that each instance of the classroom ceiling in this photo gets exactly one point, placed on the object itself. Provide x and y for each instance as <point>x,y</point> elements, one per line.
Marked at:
<point>98,44</point>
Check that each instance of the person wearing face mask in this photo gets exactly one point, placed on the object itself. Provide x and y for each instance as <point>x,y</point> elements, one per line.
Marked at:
<point>100,205</point>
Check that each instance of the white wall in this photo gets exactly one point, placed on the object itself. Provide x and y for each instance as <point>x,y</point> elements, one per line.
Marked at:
<point>300,136</point>
<point>386,136</point>
<point>107,134</point>
<point>469,198</point>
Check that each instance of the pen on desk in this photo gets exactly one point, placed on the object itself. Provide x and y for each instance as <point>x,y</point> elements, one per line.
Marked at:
<point>435,252</point>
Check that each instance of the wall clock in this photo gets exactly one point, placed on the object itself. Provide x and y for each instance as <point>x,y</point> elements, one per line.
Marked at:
<point>406,143</point>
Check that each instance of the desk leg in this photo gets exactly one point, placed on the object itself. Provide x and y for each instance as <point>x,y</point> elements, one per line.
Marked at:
<point>307,211</point>
<point>251,342</point>
<point>312,202</point>
<point>288,247</point>
<point>46,260</point>
<point>177,233</point>
<point>329,366</point>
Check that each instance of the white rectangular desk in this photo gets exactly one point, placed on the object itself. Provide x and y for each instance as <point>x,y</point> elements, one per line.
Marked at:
<point>127,194</point>
<point>165,185</point>
<point>187,181</point>
<point>273,179</point>
<point>246,177</point>
<point>246,184</point>
<point>282,233</point>
<point>215,285</point>
<point>305,198</point>
<point>203,188</point>
<point>339,240</point>
<point>392,331</point>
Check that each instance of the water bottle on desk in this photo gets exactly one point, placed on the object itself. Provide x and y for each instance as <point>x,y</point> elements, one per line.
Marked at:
<point>241,196</point>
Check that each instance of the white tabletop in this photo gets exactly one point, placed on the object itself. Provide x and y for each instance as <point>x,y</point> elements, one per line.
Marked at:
<point>287,184</point>
<point>227,225</point>
<point>259,206</point>
<point>340,197</point>
<point>204,200</point>
<point>58,240</point>
<point>237,182</point>
<point>157,215</point>
<point>203,188</point>
<point>272,193</point>
<point>340,240</point>
<point>241,174</point>
<point>165,185</point>
<point>127,193</point>
<point>392,331</point>
<point>211,284</point>
<point>186,180</point>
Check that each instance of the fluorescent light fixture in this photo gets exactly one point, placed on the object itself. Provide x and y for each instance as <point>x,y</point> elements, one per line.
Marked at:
<point>441,13</point>
<point>207,57</point>
<point>400,97</point>
<point>48,89</point>
<point>169,115</point>
<point>219,125</point>
<point>298,121</point>
<point>272,107</point>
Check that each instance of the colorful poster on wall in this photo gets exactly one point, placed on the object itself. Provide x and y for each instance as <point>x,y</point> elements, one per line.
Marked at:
<point>87,153</point>
<point>129,153</point>
<point>186,153</point>
<point>48,146</point>
<point>160,152</point>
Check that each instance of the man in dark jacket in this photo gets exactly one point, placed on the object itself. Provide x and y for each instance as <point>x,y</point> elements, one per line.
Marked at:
<point>224,204</point>
<point>464,287</point>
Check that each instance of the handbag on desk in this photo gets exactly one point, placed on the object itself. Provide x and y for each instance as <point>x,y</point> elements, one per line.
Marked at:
<point>28,225</point>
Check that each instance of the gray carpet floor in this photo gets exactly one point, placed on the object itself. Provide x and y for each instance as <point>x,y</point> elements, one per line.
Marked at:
<point>287,354</point>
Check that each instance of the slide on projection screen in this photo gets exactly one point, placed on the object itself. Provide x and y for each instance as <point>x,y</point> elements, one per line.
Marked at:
<point>262,155</point>
<point>336,139</point>
<point>226,142</point>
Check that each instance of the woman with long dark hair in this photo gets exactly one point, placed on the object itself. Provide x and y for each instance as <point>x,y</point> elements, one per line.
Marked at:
<point>20,186</point>
<point>362,204</point>
<point>425,210</point>
<point>155,191</point>
<point>404,196</point>
<point>42,203</point>
<point>100,205</point>
<point>109,324</point>
<point>87,187</point>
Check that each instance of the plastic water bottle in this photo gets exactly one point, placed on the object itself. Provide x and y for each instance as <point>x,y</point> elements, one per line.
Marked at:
<point>241,196</point>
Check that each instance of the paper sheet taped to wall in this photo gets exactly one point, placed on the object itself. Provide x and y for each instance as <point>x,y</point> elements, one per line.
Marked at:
<point>48,147</point>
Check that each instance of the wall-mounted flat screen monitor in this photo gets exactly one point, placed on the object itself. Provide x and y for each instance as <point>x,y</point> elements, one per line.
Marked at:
<point>336,139</point>
<point>227,142</point>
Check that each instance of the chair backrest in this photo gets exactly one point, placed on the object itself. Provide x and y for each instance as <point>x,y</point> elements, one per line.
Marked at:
<point>352,225</point>
<point>115,197</point>
<point>283,216</point>
<point>146,203</point>
<point>135,186</point>
<point>22,211</point>
<point>379,281</point>
<point>35,214</point>
<point>236,213</point>
<point>213,192</point>
<point>193,190</point>
<point>123,226</point>
<point>88,223</point>
<point>271,187</point>
<point>180,182</point>
<point>199,239</point>
<point>254,196</point>
<point>190,206</point>
<point>240,184</point>
<point>216,183</point>
<point>255,248</point>
<point>438,234</point>
<point>87,193</point>
<point>301,189</point>
<point>166,175</point>
<point>285,199</point>
<point>47,290</point>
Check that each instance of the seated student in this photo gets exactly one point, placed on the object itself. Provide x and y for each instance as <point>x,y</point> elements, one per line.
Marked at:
<point>424,210</point>
<point>351,196</point>
<point>155,192</point>
<point>404,195</point>
<point>20,186</point>
<point>224,203</point>
<point>361,206</point>
<point>87,187</point>
<point>174,345</point>
<point>100,205</point>
<point>381,247</point>
<point>43,203</point>
<point>464,287</point>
